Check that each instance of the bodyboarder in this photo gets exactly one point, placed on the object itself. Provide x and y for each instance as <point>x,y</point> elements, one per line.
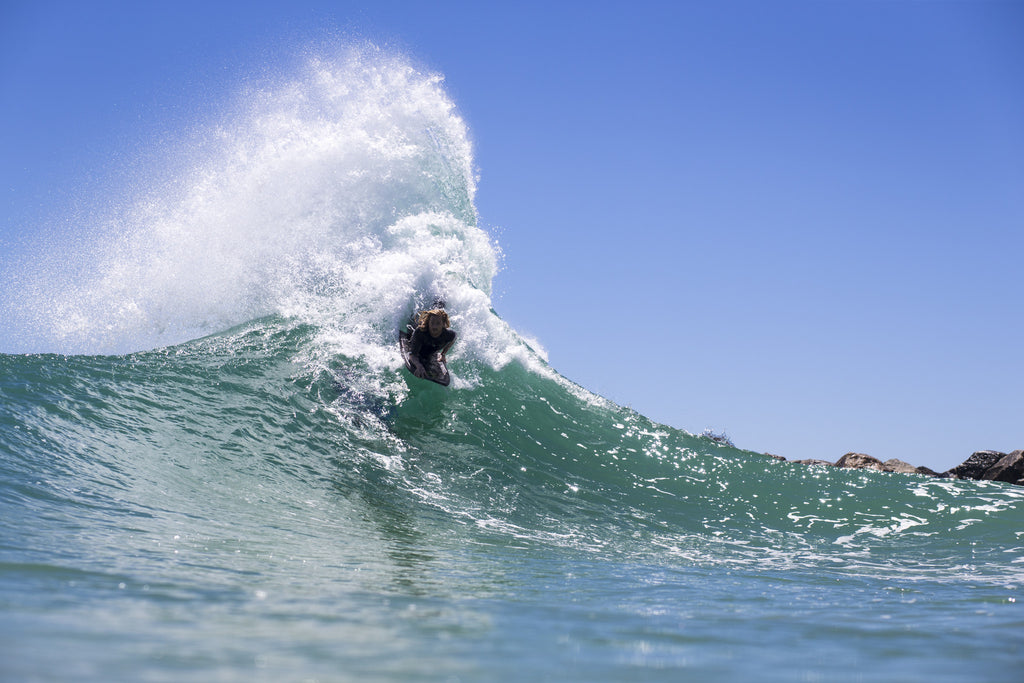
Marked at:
<point>430,342</point>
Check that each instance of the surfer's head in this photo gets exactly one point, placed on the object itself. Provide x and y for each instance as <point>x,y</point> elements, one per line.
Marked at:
<point>435,321</point>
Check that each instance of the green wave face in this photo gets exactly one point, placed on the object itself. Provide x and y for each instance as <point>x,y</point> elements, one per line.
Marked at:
<point>250,423</point>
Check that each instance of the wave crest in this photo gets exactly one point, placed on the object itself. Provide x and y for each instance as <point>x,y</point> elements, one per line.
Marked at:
<point>339,193</point>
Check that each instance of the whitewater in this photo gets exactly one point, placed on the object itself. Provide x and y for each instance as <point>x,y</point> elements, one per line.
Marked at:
<point>213,466</point>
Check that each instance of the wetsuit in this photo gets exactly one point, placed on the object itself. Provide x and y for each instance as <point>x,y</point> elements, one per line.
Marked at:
<point>426,348</point>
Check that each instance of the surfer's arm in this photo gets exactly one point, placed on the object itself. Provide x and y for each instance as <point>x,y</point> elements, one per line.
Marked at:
<point>444,351</point>
<point>415,344</point>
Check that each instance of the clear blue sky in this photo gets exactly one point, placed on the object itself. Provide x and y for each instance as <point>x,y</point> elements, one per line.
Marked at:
<point>797,222</point>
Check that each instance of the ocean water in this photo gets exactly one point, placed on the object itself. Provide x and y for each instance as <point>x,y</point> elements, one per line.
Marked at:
<point>220,471</point>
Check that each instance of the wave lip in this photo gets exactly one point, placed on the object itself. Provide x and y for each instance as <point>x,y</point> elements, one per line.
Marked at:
<point>318,194</point>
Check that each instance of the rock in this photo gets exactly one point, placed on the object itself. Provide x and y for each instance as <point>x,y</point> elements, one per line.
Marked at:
<point>1009,468</point>
<point>991,465</point>
<point>975,466</point>
<point>860,461</point>
<point>775,457</point>
<point>895,465</point>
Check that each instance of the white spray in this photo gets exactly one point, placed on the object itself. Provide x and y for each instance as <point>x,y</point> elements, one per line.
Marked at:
<point>342,196</point>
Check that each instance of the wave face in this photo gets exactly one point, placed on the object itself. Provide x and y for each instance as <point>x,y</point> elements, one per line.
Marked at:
<point>280,500</point>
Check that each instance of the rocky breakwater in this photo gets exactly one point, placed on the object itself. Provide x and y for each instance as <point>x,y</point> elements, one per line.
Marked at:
<point>990,465</point>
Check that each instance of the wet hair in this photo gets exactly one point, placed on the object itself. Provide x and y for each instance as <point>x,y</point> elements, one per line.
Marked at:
<point>425,318</point>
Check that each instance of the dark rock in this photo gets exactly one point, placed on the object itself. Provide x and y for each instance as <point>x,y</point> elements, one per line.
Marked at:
<point>1009,468</point>
<point>991,465</point>
<point>975,466</point>
<point>860,461</point>
<point>898,466</point>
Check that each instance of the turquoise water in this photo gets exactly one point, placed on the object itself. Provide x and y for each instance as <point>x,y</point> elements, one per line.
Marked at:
<point>218,511</point>
<point>263,493</point>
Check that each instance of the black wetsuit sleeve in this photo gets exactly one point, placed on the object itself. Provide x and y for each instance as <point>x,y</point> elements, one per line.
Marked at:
<point>416,342</point>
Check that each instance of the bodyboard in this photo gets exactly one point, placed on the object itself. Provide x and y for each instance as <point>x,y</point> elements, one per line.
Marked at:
<point>404,344</point>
